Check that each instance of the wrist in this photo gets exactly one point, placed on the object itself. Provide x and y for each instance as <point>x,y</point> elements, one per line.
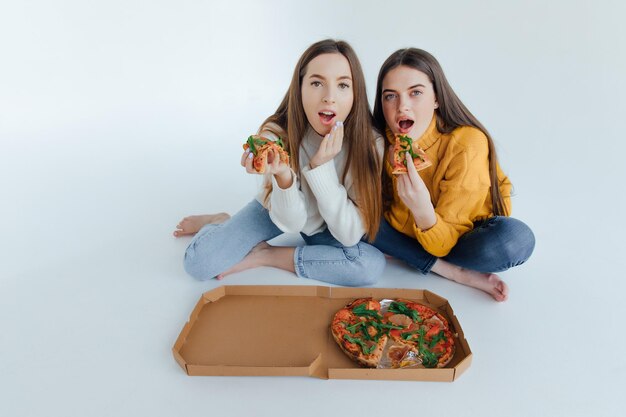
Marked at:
<point>424,221</point>
<point>284,179</point>
<point>424,225</point>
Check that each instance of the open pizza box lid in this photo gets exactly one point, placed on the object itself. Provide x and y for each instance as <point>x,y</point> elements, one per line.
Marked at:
<point>261,330</point>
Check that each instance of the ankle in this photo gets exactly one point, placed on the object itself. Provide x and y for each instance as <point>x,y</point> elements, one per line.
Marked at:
<point>450,271</point>
<point>460,276</point>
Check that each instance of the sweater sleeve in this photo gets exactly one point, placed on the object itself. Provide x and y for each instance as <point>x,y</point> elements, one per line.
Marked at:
<point>287,207</point>
<point>462,192</point>
<point>341,215</point>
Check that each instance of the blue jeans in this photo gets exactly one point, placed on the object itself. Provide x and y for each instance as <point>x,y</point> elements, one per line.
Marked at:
<point>493,245</point>
<point>218,247</point>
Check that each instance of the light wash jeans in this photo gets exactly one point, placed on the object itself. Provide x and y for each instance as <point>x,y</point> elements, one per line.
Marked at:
<point>493,245</point>
<point>218,247</point>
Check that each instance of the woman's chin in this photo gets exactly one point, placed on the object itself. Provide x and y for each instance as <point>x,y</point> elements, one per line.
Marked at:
<point>320,129</point>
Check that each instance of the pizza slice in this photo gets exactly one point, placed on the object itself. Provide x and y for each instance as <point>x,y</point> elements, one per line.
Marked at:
<point>403,145</point>
<point>356,329</point>
<point>260,147</point>
<point>423,328</point>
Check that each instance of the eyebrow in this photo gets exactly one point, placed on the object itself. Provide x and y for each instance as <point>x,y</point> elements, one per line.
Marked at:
<point>410,88</point>
<point>344,77</point>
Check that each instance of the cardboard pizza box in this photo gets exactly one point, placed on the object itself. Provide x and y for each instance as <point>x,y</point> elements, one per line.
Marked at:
<point>261,330</point>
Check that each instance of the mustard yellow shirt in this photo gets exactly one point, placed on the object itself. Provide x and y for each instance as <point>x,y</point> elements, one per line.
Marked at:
<point>459,186</point>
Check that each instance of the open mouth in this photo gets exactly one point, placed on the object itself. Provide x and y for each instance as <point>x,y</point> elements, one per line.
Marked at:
<point>405,125</point>
<point>326,117</point>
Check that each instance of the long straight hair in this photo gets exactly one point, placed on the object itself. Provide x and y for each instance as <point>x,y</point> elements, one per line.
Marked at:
<point>450,114</point>
<point>362,157</point>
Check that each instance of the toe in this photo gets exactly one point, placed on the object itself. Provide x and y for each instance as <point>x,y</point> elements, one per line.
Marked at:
<point>501,292</point>
<point>179,233</point>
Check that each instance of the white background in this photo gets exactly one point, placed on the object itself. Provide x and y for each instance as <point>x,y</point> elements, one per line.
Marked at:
<point>118,118</point>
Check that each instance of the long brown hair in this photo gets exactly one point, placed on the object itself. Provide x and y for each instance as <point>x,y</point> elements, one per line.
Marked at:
<point>450,114</point>
<point>362,160</point>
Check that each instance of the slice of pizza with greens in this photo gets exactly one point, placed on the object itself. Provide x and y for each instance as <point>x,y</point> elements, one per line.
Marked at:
<point>403,145</point>
<point>261,147</point>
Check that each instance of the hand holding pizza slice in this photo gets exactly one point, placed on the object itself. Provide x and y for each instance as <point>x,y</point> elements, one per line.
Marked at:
<point>403,145</point>
<point>261,148</point>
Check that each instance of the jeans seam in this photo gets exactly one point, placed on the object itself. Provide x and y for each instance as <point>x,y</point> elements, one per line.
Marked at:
<point>301,263</point>
<point>299,266</point>
<point>429,265</point>
<point>210,231</point>
<point>328,262</point>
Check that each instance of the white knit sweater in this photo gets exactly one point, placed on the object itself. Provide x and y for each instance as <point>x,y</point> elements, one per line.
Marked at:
<point>317,199</point>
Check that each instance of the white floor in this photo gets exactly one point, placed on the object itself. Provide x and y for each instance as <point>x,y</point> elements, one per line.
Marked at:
<point>93,296</point>
<point>116,120</point>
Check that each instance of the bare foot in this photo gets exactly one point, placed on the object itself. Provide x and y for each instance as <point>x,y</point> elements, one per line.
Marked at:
<point>253,259</point>
<point>489,283</point>
<point>192,224</point>
<point>492,284</point>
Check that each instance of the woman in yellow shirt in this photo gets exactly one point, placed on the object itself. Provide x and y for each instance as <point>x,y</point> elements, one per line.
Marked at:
<point>452,217</point>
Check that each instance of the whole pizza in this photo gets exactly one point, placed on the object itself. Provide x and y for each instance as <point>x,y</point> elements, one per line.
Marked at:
<point>393,334</point>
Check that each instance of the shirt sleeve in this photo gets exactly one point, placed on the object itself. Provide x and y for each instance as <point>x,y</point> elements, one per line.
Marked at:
<point>463,191</point>
<point>341,215</point>
<point>287,207</point>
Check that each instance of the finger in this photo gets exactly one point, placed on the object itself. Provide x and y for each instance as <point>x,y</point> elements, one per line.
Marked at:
<point>404,189</point>
<point>248,164</point>
<point>400,184</point>
<point>328,138</point>
<point>244,156</point>
<point>275,161</point>
<point>179,233</point>
<point>271,164</point>
<point>333,131</point>
<point>331,140</point>
<point>390,156</point>
<point>326,143</point>
<point>338,138</point>
<point>410,167</point>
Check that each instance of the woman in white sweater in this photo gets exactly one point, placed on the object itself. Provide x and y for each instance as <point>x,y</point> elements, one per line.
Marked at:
<point>334,200</point>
